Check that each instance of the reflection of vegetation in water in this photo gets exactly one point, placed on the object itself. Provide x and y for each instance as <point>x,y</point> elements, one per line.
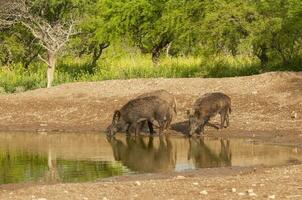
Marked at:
<point>79,171</point>
<point>18,167</point>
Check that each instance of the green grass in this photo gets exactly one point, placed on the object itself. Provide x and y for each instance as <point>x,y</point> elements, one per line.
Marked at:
<point>19,80</point>
<point>68,69</point>
<point>142,67</point>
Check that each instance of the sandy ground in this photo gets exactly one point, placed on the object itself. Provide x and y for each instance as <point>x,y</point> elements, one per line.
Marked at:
<point>262,107</point>
<point>274,183</point>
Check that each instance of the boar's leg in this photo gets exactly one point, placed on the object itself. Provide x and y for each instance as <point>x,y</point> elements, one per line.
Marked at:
<point>150,125</point>
<point>224,115</point>
<point>212,125</point>
<point>142,124</point>
<point>227,119</point>
<point>162,125</point>
<point>150,143</point>
<point>170,118</point>
<point>137,127</point>
<point>169,122</point>
<point>201,129</point>
<point>128,130</point>
<point>222,118</point>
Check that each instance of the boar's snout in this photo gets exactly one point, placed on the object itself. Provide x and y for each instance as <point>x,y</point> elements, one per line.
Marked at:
<point>195,125</point>
<point>192,127</point>
<point>111,130</point>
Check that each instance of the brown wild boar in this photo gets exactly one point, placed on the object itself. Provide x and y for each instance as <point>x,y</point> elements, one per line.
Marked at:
<point>207,106</point>
<point>134,112</point>
<point>164,95</point>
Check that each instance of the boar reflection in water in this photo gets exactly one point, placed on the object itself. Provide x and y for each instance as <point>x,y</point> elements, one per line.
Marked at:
<point>141,156</point>
<point>204,157</point>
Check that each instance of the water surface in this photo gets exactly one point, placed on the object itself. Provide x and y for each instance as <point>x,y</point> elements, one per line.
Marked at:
<point>74,157</point>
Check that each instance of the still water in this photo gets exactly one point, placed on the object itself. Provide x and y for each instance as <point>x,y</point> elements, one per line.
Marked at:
<point>32,157</point>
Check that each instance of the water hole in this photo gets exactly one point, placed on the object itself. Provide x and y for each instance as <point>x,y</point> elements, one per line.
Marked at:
<point>74,157</point>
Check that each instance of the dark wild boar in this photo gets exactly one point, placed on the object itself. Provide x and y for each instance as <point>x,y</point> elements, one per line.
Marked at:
<point>164,95</point>
<point>207,106</point>
<point>136,111</point>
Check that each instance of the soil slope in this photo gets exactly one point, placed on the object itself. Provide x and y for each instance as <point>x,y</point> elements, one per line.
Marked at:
<point>261,103</point>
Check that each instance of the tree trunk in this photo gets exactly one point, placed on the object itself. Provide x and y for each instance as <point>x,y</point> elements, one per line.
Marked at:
<point>97,52</point>
<point>263,58</point>
<point>168,50</point>
<point>262,55</point>
<point>157,49</point>
<point>51,67</point>
<point>52,173</point>
<point>155,55</point>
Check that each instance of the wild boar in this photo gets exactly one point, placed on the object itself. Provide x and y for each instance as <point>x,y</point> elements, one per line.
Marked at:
<point>134,112</point>
<point>164,95</point>
<point>207,106</point>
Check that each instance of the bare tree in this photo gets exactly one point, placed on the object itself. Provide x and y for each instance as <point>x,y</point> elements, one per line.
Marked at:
<point>51,36</point>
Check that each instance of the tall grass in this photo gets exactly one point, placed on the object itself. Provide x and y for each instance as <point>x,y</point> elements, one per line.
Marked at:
<point>141,66</point>
<point>16,79</point>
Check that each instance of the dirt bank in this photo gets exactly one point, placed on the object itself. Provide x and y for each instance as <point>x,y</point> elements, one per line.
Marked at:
<point>262,107</point>
<point>262,104</point>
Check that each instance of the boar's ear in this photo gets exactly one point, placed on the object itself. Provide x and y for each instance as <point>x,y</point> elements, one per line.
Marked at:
<point>116,116</point>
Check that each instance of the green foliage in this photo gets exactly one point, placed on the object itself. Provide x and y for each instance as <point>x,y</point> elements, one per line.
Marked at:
<point>127,67</point>
<point>190,38</point>
<point>18,46</point>
<point>225,25</point>
<point>11,79</point>
<point>276,30</point>
<point>140,66</point>
<point>149,25</point>
<point>55,10</point>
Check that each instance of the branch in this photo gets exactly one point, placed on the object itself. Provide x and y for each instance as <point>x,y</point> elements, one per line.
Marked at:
<point>51,37</point>
<point>32,30</point>
<point>67,37</point>
<point>104,45</point>
<point>36,35</point>
<point>40,57</point>
<point>6,24</point>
